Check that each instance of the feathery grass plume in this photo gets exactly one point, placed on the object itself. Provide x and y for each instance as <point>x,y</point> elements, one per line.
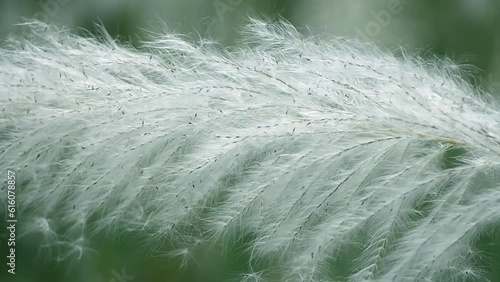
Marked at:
<point>287,159</point>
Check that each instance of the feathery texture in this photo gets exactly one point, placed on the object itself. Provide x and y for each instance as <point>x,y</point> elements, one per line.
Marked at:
<point>287,159</point>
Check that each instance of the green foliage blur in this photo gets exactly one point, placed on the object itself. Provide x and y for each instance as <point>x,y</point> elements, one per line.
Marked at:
<point>463,30</point>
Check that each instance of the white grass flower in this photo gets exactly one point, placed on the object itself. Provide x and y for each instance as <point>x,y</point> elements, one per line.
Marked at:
<point>287,159</point>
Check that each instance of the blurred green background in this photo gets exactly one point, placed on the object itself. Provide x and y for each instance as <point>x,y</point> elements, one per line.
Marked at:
<point>464,30</point>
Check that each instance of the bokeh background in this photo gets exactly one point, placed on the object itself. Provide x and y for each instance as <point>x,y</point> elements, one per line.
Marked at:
<point>463,30</point>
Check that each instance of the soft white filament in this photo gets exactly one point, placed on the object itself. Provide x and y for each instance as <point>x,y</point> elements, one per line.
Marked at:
<point>331,160</point>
